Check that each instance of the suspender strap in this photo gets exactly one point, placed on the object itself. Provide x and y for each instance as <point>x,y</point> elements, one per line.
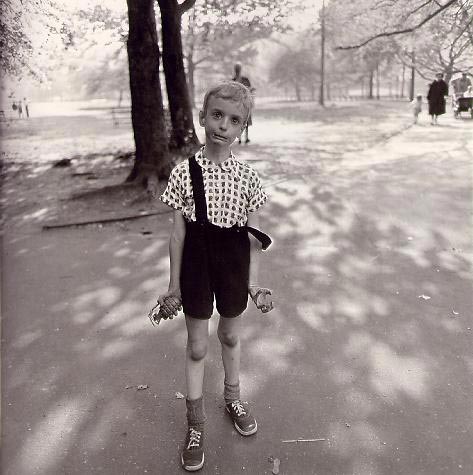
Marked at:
<point>201,205</point>
<point>263,238</point>
<point>198,190</point>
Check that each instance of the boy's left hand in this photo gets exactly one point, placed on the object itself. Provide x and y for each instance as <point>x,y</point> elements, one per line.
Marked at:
<point>262,298</point>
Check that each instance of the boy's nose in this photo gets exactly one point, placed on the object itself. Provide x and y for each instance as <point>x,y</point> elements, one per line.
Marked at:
<point>224,123</point>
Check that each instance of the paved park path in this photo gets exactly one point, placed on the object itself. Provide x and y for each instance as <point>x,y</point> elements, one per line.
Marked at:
<point>369,348</point>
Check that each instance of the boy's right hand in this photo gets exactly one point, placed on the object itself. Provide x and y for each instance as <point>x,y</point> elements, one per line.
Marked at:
<point>170,304</point>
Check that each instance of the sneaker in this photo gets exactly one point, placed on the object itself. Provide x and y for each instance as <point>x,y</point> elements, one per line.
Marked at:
<point>192,456</point>
<point>244,422</point>
<point>247,141</point>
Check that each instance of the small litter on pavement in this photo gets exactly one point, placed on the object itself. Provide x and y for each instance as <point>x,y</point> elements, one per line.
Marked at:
<point>276,462</point>
<point>294,441</point>
<point>179,395</point>
<point>140,387</point>
<point>424,297</point>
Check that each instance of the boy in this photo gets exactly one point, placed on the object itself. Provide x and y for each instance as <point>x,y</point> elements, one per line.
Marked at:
<point>416,106</point>
<point>215,198</point>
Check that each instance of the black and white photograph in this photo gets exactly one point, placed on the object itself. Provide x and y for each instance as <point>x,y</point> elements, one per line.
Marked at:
<point>236,237</point>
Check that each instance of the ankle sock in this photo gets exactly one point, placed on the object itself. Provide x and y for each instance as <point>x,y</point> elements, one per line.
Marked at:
<point>231,392</point>
<point>196,413</point>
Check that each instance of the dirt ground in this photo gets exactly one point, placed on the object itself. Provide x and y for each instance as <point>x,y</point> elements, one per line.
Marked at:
<point>368,351</point>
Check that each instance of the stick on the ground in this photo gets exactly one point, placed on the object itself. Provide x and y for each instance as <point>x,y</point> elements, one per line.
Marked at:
<point>103,220</point>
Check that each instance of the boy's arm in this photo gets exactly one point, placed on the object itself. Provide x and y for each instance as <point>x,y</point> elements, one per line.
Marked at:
<point>255,249</point>
<point>260,295</point>
<point>176,246</point>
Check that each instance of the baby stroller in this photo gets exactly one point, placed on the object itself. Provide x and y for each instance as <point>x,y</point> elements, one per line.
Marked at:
<point>462,104</point>
<point>462,98</point>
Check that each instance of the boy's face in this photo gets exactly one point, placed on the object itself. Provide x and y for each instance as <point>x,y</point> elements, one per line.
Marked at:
<point>224,121</point>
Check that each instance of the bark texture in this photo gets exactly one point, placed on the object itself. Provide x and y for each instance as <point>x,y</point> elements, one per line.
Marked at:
<point>183,136</point>
<point>152,160</point>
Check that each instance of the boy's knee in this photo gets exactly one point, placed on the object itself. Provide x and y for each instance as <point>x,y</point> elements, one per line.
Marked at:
<point>197,350</point>
<point>228,338</point>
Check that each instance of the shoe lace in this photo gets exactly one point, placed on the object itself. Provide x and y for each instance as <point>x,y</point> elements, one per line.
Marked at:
<point>194,438</point>
<point>238,408</point>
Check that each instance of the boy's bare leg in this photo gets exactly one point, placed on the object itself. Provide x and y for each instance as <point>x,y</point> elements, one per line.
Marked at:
<point>229,336</point>
<point>196,351</point>
<point>192,455</point>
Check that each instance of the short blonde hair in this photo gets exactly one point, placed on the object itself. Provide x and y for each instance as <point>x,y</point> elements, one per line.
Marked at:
<point>231,91</point>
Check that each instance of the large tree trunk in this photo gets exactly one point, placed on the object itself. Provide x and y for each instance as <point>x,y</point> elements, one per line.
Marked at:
<point>190,61</point>
<point>297,89</point>
<point>370,87</point>
<point>377,81</point>
<point>403,80</point>
<point>152,160</point>
<point>191,76</point>
<point>413,76</point>
<point>183,136</point>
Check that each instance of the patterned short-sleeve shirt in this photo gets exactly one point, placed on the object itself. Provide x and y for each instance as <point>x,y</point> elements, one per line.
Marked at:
<point>232,190</point>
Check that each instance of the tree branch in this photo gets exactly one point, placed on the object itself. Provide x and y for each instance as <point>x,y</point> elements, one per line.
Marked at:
<point>399,32</point>
<point>202,60</point>
<point>413,12</point>
<point>184,6</point>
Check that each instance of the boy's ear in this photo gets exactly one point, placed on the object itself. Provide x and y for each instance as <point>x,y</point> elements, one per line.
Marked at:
<point>201,118</point>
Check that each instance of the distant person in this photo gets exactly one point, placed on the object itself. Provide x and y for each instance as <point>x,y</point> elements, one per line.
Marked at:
<point>436,97</point>
<point>27,110</point>
<point>20,110</point>
<point>461,85</point>
<point>246,82</point>
<point>215,198</point>
<point>416,107</point>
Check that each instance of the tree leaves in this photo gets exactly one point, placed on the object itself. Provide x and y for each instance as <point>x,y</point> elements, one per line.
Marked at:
<point>26,27</point>
<point>368,20</point>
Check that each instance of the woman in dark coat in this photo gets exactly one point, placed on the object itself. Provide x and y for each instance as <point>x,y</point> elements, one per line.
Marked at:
<point>436,97</point>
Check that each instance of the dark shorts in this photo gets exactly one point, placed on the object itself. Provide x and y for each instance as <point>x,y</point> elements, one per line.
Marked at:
<point>215,265</point>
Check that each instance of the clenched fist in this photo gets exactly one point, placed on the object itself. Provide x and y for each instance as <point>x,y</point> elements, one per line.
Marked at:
<point>168,306</point>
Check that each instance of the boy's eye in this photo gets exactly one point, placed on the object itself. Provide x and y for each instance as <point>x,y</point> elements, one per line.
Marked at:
<point>235,120</point>
<point>217,114</point>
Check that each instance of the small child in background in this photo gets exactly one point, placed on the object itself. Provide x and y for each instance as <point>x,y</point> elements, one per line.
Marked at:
<point>416,107</point>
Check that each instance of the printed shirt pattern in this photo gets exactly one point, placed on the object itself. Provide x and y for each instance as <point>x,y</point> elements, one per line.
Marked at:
<point>232,190</point>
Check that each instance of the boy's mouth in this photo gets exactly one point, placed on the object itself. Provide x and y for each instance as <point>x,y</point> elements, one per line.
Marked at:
<point>220,137</point>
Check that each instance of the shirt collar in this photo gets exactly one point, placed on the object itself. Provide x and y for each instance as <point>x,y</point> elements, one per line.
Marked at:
<point>228,165</point>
